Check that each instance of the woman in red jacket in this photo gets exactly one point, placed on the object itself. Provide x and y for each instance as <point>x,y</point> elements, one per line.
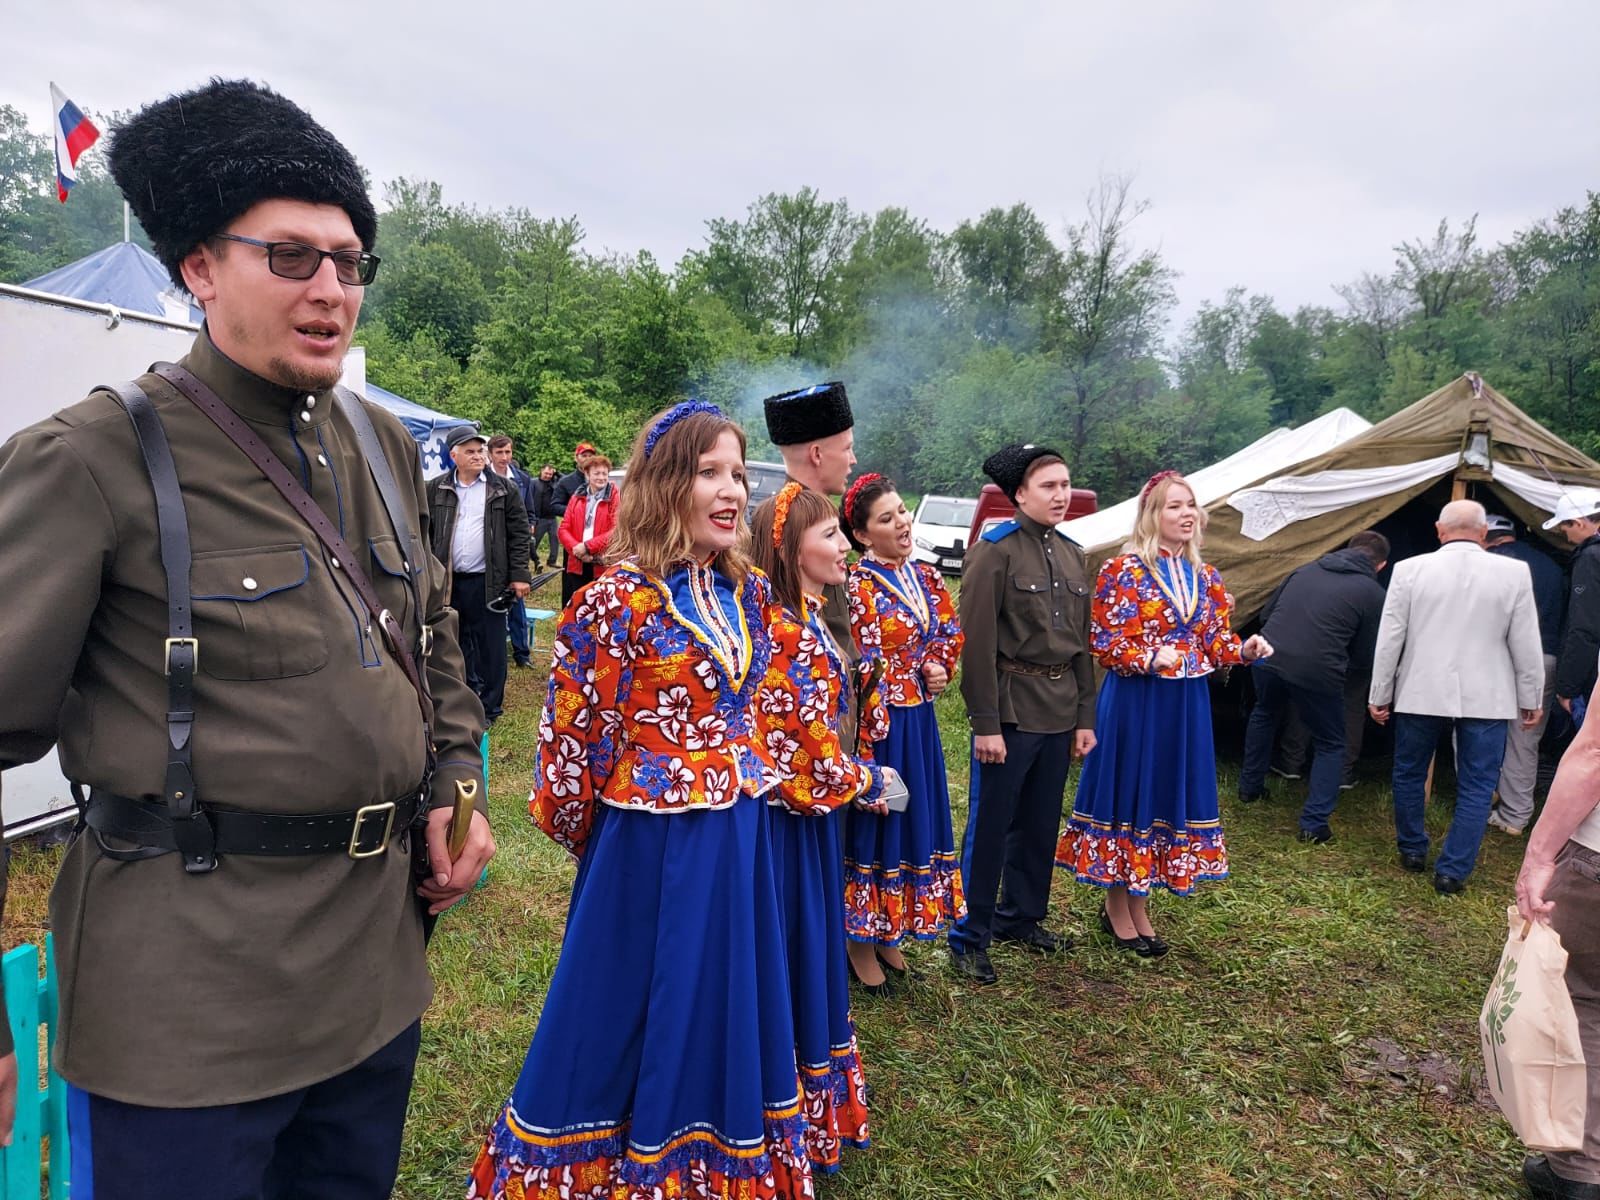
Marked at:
<point>586,527</point>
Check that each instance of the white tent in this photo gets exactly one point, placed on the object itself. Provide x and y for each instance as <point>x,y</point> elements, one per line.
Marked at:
<point>1277,451</point>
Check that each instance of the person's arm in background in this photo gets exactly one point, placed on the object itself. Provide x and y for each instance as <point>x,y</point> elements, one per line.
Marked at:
<point>1575,669</point>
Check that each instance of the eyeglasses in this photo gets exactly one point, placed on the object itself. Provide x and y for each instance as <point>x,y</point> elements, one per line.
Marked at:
<point>296,260</point>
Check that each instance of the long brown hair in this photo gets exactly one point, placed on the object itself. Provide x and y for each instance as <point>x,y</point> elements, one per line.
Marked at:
<point>782,562</point>
<point>1146,538</point>
<point>653,511</point>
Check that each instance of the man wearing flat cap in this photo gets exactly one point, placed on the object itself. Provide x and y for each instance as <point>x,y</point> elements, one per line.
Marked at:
<point>480,534</point>
<point>262,727</point>
<point>1028,682</point>
<point>814,431</point>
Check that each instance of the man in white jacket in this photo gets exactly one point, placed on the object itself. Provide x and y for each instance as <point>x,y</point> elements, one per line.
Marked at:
<point>1458,645</point>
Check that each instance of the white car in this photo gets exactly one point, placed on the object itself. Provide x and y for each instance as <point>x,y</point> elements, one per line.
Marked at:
<point>939,530</point>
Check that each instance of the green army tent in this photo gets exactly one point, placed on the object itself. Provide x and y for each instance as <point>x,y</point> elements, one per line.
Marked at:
<point>1465,439</point>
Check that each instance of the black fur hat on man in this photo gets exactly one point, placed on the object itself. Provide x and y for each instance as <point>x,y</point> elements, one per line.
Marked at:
<point>190,164</point>
<point>1008,466</point>
<point>808,414</point>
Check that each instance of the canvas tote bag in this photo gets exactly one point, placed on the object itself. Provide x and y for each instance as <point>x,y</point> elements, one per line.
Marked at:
<point>1529,1034</point>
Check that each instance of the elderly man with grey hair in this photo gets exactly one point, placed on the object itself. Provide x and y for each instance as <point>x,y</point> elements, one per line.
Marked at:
<point>1458,645</point>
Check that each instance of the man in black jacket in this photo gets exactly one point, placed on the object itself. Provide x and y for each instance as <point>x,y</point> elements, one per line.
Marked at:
<point>1322,623</point>
<point>480,532</point>
<point>542,514</point>
<point>1514,803</point>
<point>570,484</point>
<point>1577,515</point>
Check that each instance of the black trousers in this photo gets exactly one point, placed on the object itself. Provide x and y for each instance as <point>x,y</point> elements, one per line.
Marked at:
<point>571,581</point>
<point>483,642</point>
<point>1013,818</point>
<point>335,1140</point>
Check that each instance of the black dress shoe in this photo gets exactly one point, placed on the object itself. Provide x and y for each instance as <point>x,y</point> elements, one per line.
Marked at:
<point>525,664</point>
<point>1448,885</point>
<point>1415,863</point>
<point>872,989</point>
<point>1037,938</point>
<point>1545,1184</point>
<point>1320,836</point>
<point>974,964</point>
<point>1139,944</point>
<point>905,972</point>
<point>1158,945</point>
<point>1251,798</point>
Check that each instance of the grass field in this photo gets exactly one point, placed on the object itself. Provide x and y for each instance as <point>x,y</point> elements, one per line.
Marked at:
<point>1312,1033</point>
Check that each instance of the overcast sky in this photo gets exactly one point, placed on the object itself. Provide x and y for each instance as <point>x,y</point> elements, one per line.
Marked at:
<point>1281,146</point>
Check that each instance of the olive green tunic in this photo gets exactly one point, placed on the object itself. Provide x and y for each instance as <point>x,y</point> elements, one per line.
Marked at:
<point>268,974</point>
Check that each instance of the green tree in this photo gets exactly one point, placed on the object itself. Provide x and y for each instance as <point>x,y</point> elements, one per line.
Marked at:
<point>1010,273</point>
<point>653,338</point>
<point>433,286</point>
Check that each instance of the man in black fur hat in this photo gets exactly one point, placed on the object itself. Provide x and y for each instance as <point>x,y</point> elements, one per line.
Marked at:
<point>814,431</point>
<point>1028,681</point>
<point>241,947</point>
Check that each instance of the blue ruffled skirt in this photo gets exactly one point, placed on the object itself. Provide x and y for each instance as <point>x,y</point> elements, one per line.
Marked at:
<point>902,874</point>
<point>665,1054</point>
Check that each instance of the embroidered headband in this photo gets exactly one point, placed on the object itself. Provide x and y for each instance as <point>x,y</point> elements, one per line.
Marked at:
<point>1150,484</point>
<point>854,494</point>
<point>675,414</point>
<point>780,510</point>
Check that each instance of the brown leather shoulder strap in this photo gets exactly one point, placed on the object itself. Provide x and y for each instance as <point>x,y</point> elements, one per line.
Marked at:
<point>253,448</point>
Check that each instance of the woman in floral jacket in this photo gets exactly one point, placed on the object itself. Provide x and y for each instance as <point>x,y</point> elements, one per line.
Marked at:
<point>664,1059</point>
<point>799,544</point>
<point>902,876</point>
<point>1146,813</point>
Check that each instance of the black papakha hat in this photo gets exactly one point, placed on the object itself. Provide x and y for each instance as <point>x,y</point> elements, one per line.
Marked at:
<point>807,415</point>
<point>1008,466</point>
<point>192,163</point>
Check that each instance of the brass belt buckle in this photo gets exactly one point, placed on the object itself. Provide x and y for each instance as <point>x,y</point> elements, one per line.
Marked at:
<point>355,848</point>
<point>173,643</point>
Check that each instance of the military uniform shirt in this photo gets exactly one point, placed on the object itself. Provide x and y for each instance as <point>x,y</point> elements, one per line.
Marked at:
<point>269,973</point>
<point>1026,594</point>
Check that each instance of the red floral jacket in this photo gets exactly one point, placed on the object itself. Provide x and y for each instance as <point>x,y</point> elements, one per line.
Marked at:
<point>905,617</point>
<point>1137,610</point>
<point>798,712</point>
<point>650,698</point>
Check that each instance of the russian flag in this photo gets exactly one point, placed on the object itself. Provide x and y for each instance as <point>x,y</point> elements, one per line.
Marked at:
<point>75,133</point>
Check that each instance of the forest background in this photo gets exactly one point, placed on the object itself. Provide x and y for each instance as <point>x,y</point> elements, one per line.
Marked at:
<point>1014,325</point>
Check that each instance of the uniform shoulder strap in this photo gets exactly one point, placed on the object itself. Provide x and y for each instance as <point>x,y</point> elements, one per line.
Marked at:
<point>382,475</point>
<point>181,653</point>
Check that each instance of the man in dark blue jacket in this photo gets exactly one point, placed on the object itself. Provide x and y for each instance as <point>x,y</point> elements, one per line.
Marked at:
<point>502,461</point>
<point>1322,623</point>
<point>1520,769</point>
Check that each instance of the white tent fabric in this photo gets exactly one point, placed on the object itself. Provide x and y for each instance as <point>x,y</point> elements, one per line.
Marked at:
<point>1277,451</point>
<point>1278,503</point>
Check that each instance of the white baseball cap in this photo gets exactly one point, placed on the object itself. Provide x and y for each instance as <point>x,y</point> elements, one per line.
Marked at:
<point>1575,505</point>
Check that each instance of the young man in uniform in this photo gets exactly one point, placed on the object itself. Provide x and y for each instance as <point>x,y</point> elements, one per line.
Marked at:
<point>241,948</point>
<point>1028,681</point>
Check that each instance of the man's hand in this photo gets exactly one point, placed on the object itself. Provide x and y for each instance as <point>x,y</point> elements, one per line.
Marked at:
<point>1532,882</point>
<point>520,588</point>
<point>1530,717</point>
<point>936,677</point>
<point>1083,741</point>
<point>989,747</point>
<point>1380,713</point>
<point>1566,703</point>
<point>8,1097</point>
<point>449,881</point>
<point>1256,648</point>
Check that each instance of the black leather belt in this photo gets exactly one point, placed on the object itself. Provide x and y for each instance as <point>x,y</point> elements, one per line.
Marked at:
<point>1015,667</point>
<point>364,832</point>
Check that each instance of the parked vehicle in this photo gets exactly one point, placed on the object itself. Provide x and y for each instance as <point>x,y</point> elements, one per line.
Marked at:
<point>940,529</point>
<point>994,507</point>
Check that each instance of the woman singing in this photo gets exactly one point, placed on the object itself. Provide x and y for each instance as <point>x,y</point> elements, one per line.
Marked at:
<point>1146,813</point>
<point>799,544</point>
<point>664,1059</point>
<point>902,877</point>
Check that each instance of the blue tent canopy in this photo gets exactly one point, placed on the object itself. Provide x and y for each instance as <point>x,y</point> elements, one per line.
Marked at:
<point>130,277</point>
<point>126,275</point>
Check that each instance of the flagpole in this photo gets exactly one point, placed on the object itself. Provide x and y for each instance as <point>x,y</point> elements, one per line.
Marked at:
<point>125,236</point>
